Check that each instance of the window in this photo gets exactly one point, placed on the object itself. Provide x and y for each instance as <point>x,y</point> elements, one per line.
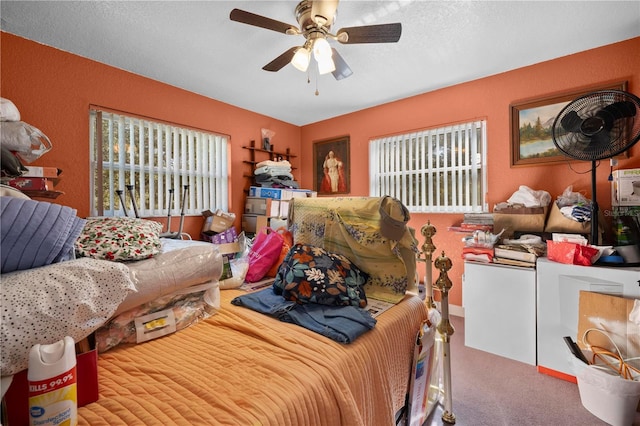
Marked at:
<point>437,170</point>
<point>156,159</point>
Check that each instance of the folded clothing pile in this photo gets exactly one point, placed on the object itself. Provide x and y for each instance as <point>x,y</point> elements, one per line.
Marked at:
<point>275,174</point>
<point>576,212</point>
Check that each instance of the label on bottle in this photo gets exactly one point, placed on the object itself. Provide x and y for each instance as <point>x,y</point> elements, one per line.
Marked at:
<point>53,401</point>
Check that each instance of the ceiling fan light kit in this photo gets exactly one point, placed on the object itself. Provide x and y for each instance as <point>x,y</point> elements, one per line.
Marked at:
<point>315,19</point>
<point>301,59</point>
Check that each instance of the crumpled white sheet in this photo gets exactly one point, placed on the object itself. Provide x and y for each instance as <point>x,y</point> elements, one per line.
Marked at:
<point>529,197</point>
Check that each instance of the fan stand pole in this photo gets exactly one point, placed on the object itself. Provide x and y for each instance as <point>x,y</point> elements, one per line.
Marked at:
<point>594,206</point>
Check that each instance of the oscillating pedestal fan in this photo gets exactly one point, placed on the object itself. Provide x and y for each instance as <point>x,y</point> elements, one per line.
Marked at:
<point>594,127</point>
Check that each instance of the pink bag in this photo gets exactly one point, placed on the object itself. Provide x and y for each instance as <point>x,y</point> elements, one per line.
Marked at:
<point>263,254</point>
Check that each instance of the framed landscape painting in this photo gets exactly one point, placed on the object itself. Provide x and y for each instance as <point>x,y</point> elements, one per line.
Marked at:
<point>532,122</point>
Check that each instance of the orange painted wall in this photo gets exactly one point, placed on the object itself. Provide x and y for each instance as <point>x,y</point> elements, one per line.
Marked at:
<point>53,90</point>
<point>487,98</point>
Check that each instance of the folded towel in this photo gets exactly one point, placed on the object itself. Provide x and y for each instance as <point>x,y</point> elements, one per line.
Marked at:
<point>271,163</point>
<point>272,170</point>
<point>36,233</point>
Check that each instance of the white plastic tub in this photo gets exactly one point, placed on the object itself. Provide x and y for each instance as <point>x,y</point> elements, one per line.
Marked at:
<point>607,396</point>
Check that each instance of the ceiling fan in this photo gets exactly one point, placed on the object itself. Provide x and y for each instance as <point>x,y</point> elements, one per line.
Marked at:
<point>315,18</point>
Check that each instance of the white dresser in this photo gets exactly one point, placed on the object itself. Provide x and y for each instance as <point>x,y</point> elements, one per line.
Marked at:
<point>558,287</point>
<point>500,310</point>
<point>524,313</point>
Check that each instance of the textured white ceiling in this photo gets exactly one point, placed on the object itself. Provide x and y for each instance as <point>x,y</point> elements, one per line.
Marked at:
<point>195,46</point>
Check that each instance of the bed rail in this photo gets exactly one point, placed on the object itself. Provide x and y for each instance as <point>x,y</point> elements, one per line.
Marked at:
<point>443,284</point>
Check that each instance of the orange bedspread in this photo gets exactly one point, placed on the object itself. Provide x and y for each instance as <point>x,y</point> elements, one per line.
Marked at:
<point>240,367</point>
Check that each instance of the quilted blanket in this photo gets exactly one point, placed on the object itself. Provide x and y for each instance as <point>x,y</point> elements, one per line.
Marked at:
<point>36,233</point>
<point>240,367</point>
<point>355,227</point>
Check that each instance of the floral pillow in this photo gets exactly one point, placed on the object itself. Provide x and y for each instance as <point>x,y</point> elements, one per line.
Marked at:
<point>119,238</point>
<point>310,274</point>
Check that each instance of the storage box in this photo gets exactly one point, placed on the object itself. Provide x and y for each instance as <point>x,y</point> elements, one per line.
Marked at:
<point>17,396</point>
<point>303,193</point>
<point>626,187</point>
<point>252,223</point>
<point>527,219</point>
<point>31,184</point>
<point>262,206</point>
<point>284,209</point>
<point>275,193</point>
<point>280,193</point>
<point>557,222</point>
<point>228,236</point>
<point>38,171</point>
<point>216,222</point>
<point>626,224</point>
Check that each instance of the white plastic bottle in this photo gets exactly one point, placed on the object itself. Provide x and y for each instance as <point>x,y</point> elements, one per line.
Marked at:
<point>53,395</point>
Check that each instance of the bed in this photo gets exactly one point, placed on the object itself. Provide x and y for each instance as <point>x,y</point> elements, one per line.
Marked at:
<point>236,365</point>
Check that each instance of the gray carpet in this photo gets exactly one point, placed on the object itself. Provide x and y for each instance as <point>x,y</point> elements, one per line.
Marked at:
<point>491,390</point>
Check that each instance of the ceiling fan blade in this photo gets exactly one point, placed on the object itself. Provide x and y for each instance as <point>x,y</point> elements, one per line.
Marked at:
<point>383,33</point>
<point>342,70</point>
<point>262,22</point>
<point>323,12</point>
<point>278,63</point>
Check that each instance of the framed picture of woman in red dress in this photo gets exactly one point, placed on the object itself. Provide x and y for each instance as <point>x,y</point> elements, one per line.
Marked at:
<point>331,166</point>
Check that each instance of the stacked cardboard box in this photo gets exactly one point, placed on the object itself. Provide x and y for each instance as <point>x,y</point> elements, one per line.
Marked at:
<point>259,210</point>
<point>37,181</point>
<point>268,206</point>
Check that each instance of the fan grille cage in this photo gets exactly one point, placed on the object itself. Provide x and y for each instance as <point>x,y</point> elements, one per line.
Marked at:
<point>623,134</point>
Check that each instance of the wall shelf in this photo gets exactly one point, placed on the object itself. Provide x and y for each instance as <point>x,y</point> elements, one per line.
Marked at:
<point>257,155</point>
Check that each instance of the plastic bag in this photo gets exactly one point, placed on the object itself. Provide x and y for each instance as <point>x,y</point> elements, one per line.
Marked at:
<point>26,141</point>
<point>8,111</point>
<point>239,267</point>
<point>529,197</point>
<point>424,387</point>
<point>570,198</point>
<point>571,253</point>
<point>287,243</point>
<point>263,254</point>
<point>267,135</point>
<point>178,310</point>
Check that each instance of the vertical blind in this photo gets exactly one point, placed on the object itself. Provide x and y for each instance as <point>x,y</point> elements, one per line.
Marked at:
<point>436,170</point>
<point>154,158</point>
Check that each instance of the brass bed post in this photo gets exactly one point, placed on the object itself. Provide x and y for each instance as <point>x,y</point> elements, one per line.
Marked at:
<point>444,284</point>
<point>428,248</point>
